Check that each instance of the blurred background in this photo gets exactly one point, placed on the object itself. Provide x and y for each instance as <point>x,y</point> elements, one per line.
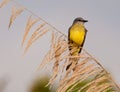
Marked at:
<point>18,73</point>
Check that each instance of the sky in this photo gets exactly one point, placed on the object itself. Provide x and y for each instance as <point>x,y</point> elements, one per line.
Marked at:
<point>102,38</point>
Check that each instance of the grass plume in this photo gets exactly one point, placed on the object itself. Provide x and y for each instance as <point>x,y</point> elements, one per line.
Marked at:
<point>4,2</point>
<point>15,13</point>
<point>29,24</point>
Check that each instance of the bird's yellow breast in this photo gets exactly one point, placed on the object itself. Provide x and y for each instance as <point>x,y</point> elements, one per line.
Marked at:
<point>77,33</point>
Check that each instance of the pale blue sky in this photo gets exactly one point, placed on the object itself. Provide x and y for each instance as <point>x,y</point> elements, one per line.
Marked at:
<point>102,39</point>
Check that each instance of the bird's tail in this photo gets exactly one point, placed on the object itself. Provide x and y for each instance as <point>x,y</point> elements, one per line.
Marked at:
<point>68,66</point>
<point>74,51</point>
<point>73,63</point>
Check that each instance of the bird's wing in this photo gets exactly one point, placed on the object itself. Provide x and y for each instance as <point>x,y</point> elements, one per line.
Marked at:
<point>69,35</point>
<point>83,40</point>
<point>69,41</point>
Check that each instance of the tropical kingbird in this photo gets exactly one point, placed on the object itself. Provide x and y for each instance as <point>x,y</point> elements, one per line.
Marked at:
<point>76,37</point>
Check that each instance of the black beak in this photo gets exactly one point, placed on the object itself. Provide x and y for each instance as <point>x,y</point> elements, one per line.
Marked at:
<point>85,20</point>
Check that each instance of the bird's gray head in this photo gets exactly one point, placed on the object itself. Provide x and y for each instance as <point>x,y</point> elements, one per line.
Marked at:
<point>79,19</point>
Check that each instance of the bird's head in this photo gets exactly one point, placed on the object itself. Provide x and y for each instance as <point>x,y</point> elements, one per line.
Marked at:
<point>80,20</point>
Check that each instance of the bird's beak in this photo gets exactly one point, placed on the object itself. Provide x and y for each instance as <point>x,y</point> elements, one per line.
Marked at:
<point>85,20</point>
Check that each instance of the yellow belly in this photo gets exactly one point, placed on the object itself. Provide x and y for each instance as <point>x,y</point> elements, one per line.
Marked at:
<point>77,35</point>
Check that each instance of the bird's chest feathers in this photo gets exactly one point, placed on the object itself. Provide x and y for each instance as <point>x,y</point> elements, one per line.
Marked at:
<point>77,34</point>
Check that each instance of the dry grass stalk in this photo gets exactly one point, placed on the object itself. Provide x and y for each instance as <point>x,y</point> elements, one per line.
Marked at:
<point>107,83</point>
<point>74,56</point>
<point>29,25</point>
<point>31,41</point>
<point>95,82</point>
<point>57,50</point>
<point>40,34</point>
<point>15,13</point>
<point>74,80</point>
<point>55,72</point>
<point>35,36</point>
<point>105,86</point>
<point>4,2</point>
<point>46,60</point>
<point>73,60</point>
<point>83,72</point>
<point>69,79</point>
<point>49,56</point>
<point>79,67</point>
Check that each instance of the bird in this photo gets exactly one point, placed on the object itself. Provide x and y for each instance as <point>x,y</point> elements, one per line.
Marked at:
<point>76,37</point>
